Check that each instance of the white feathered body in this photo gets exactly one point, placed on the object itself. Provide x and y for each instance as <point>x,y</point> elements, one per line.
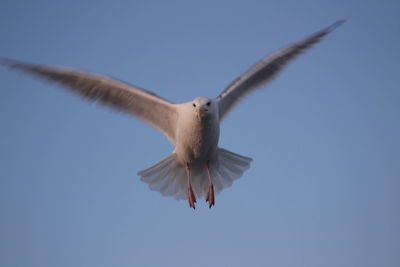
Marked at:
<point>196,145</point>
<point>196,138</point>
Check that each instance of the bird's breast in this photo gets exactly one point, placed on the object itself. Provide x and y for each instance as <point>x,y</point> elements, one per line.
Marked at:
<point>197,140</point>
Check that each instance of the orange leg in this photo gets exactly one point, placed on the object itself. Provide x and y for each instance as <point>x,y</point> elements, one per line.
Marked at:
<point>210,198</point>
<point>191,197</point>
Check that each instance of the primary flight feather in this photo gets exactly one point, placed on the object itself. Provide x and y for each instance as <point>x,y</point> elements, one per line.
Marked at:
<point>197,167</point>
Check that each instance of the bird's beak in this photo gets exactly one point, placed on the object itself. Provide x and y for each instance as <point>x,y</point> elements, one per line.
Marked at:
<point>200,112</point>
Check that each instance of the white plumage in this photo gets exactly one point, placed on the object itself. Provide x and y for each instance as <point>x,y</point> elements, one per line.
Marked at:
<point>197,166</point>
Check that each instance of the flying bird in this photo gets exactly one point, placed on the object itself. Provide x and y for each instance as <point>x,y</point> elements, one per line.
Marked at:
<point>197,166</point>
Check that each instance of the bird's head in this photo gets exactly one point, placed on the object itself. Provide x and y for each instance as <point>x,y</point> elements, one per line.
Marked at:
<point>203,107</point>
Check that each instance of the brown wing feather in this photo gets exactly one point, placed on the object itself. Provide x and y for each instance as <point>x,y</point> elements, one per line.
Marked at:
<point>142,104</point>
<point>265,70</point>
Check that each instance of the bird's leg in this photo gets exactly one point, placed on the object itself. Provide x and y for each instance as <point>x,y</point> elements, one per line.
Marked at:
<point>191,196</point>
<point>210,198</point>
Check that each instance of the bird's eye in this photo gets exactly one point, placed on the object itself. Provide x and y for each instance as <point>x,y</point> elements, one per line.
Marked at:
<point>208,103</point>
<point>194,105</point>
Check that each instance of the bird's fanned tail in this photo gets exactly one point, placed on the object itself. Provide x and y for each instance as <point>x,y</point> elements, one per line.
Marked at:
<point>169,176</point>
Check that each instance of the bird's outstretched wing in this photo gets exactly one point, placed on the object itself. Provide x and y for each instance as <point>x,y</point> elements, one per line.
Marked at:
<point>144,105</point>
<point>265,70</point>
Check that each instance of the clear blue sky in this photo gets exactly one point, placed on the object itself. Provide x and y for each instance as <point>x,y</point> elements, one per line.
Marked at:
<point>323,189</point>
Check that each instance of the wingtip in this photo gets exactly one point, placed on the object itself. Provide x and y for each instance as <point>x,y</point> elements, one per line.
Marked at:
<point>7,62</point>
<point>13,64</point>
<point>336,24</point>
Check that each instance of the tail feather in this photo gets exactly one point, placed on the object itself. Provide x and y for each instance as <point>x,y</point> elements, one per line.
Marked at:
<point>231,167</point>
<point>156,168</point>
<point>170,179</point>
<point>223,177</point>
<point>166,177</point>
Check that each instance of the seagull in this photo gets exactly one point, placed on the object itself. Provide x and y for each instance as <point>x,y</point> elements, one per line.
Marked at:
<point>197,167</point>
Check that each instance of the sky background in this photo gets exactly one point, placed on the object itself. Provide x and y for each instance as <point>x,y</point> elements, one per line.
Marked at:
<point>323,189</point>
